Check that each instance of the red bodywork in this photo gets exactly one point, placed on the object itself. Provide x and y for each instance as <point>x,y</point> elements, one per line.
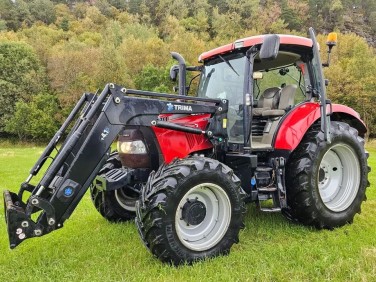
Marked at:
<point>300,119</point>
<point>254,40</point>
<point>291,131</point>
<point>180,144</point>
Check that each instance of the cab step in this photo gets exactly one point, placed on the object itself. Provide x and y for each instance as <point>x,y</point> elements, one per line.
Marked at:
<point>267,189</point>
<point>270,209</point>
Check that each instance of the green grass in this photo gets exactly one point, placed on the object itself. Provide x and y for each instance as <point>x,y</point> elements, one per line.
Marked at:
<point>271,248</point>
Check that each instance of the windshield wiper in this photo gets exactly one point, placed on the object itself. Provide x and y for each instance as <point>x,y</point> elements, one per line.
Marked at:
<point>206,83</point>
<point>228,63</point>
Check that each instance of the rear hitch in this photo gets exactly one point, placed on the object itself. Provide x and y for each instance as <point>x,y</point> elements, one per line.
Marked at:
<point>20,226</point>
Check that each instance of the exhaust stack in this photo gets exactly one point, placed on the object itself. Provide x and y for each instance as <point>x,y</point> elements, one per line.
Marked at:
<point>182,73</point>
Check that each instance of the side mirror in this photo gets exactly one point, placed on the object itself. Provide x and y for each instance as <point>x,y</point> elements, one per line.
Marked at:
<point>174,70</point>
<point>270,47</point>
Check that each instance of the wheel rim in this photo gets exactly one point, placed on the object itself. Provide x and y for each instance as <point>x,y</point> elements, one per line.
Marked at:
<point>210,214</point>
<point>339,177</point>
<point>125,200</point>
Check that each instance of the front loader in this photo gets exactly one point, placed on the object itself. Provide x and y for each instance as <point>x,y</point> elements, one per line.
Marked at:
<point>87,148</point>
<point>260,129</point>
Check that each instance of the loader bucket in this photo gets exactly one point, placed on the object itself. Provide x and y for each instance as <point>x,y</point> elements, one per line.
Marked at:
<point>19,225</point>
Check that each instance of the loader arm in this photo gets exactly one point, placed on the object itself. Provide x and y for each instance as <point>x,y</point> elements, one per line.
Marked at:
<point>97,120</point>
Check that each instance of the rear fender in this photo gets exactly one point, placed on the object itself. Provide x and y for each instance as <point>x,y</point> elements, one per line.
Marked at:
<point>294,126</point>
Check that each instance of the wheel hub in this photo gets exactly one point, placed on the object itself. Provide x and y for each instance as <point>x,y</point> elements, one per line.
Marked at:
<point>193,212</point>
<point>203,216</point>
<point>338,177</point>
<point>127,196</point>
<point>321,175</point>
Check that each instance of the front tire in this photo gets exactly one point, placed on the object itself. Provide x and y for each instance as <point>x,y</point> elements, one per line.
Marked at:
<point>117,205</point>
<point>326,183</point>
<point>191,209</point>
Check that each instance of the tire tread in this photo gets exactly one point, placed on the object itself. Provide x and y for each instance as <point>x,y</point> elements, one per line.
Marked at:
<point>152,219</point>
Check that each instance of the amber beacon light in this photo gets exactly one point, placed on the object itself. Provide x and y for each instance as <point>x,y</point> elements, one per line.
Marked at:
<point>331,39</point>
<point>330,42</point>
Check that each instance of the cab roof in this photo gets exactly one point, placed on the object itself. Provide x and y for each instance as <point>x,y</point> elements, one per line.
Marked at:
<point>255,40</point>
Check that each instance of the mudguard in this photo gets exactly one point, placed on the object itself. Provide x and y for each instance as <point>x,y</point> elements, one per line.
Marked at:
<point>294,126</point>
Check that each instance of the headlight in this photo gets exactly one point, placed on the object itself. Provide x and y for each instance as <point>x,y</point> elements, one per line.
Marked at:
<point>132,147</point>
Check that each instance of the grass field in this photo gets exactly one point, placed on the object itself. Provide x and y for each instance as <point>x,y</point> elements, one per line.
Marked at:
<point>271,248</point>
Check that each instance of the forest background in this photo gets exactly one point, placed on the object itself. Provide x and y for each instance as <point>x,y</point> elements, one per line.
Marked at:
<point>53,51</point>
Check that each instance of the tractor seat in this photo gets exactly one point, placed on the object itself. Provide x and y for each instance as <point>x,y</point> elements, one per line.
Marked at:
<point>268,101</point>
<point>286,101</point>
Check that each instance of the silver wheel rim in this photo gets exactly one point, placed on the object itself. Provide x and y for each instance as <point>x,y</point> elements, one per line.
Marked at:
<point>210,231</point>
<point>126,202</point>
<point>339,177</point>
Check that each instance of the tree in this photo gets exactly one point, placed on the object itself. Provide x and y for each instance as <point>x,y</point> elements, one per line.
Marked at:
<point>154,79</point>
<point>35,119</point>
<point>95,15</point>
<point>139,51</point>
<point>15,13</point>
<point>245,8</point>
<point>119,4</point>
<point>21,76</point>
<point>197,24</point>
<point>226,26</point>
<point>269,18</point>
<point>63,16</point>
<point>372,21</point>
<point>42,38</point>
<point>104,7</point>
<point>72,69</point>
<point>134,6</point>
<point>43,10</point>
<point>3,25</point>
<point>294,13</point>
<point>79,10</point>
<point>64,25</point>
<point>176,8</point>
<point>112,67</point>
<point>368,6</point>
<point>336,14</point>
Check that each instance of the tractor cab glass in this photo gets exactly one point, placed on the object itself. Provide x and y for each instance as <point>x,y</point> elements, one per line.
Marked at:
<point>288,75</point>
<point>223,77</point>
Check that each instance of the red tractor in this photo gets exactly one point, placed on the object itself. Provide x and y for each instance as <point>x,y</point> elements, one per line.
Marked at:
<point>260,129</point>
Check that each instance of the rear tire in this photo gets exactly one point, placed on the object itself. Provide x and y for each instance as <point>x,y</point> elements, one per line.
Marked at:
<point>326,183</point>
<point>118,205</point>
<point>191,209</point>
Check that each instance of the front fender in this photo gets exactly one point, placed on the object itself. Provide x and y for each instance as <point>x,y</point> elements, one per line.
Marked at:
<point>294,126</point>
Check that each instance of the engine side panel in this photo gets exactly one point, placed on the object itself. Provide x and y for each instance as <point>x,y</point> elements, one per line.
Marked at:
<point>180,144</point>
<point>300,119</point>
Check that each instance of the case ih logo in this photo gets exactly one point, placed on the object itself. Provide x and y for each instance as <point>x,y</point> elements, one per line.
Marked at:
<point>171,107</point>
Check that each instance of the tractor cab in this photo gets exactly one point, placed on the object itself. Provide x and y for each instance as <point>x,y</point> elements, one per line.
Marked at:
<point>274,85</point>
